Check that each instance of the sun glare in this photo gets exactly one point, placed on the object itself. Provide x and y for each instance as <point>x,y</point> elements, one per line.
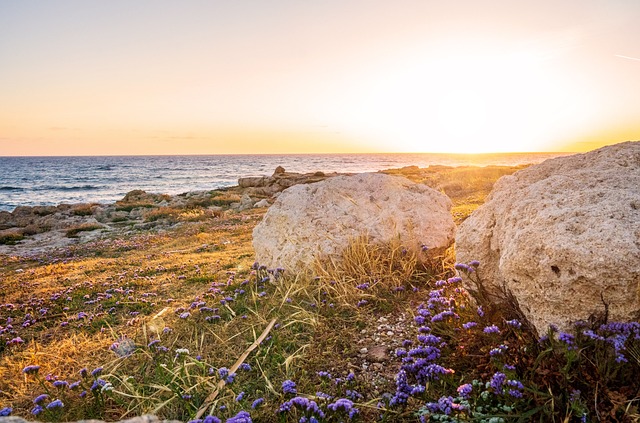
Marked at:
<point>466,101</point>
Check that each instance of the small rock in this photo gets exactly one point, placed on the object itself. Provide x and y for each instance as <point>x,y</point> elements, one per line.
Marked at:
<point>261,203</point>
<point>390,333</point>
<point>378,354</point>
<point>378,366</point>
<point>279,170</point>
<point>364,350</point>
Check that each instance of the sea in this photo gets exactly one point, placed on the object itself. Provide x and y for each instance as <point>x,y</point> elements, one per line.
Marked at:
<point>31,181</point>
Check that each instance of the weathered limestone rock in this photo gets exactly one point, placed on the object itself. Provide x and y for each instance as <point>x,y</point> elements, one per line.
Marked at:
<point>563,237</point>
<point>279,181</point>
<point>261,203</point>
<point>317,220</point>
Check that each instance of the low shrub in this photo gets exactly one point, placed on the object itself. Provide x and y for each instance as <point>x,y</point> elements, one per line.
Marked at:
<point>85,227</point>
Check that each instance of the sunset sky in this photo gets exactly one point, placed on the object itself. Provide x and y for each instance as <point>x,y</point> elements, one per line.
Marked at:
<point>301,76</point>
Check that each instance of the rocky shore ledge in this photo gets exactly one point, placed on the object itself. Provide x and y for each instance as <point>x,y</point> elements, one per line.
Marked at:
<point>28,230</point>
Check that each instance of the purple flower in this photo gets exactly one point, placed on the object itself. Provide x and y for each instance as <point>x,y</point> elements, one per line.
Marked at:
<point>498,351</point>
<point>40,398</point>
<point>96,372</point>
<point>303,404</point>
<point>55,404</point>
<point>480,311</point>
<point>29,370</point>
<point>211,419</point>
<point>6,411</point>
<point>465,390</point>
<point>515,384</point>
<point>567,339</point>
<point>341,404</point>
<point>97,384</point>
<point>223,372</point>
<point>497,382</point>
<point>185,315</point>
<point>240,396</point>
<point>289,387</point>
<point>514,393</point>
<point>469,325</point>
<point>491,329</point>
<point>37,410</point>
<point>444,405</point>
<point>61,384</point>
<point>245,366</point>
<point>575,395</point>
<point>241,417</point>
<point>591,334</point>
<point>230,378</point>
<point>514,323</point>
<point>257,403</point>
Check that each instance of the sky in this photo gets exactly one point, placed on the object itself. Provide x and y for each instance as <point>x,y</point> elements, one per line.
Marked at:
<point>124,77</point>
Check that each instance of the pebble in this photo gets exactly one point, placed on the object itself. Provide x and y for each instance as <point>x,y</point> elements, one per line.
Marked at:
<point>378,366</point>
<point>364,350</point>
<point>390,333</point>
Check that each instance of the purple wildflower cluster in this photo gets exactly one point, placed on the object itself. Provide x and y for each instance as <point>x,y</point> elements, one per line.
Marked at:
<point>71,308</point>
<point>613,334</point>
<point>422,365</point>
<point>289,387</point>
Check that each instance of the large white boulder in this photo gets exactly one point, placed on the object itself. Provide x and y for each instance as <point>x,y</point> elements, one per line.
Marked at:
<point>318,220</point>
<point>563,237</point>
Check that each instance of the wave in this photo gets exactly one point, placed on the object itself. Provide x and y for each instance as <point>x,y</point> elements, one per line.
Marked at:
<point>10,188</point>
<point>68,188</point>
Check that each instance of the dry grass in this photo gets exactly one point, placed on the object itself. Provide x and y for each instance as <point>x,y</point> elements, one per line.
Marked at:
<point>382,268</point>
<point>85,227</point>
<point>83,209</point>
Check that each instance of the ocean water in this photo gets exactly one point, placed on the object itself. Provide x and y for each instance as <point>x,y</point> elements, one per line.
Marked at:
<point>33,181</point>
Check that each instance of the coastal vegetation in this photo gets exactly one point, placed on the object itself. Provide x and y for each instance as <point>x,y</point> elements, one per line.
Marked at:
<point>180,322</point>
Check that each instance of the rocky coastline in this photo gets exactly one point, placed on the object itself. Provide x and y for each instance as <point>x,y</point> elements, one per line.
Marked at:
<point>28,230</point>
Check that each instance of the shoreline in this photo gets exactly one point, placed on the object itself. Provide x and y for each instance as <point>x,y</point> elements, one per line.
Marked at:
<point>31,230</point>
<point>33,181</point>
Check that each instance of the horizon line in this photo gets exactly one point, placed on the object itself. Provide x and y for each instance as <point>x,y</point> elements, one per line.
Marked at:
<point>291,154</point>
